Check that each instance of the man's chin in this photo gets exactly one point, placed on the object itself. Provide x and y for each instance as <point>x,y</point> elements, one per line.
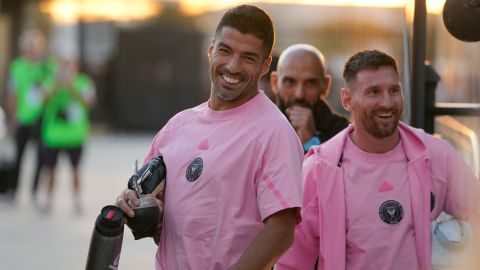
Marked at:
<point>226,94</point>
<point>381,132</point>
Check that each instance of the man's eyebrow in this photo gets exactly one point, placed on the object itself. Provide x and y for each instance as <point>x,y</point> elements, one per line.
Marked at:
<point>314,79</point>
<point>372,87</point>
<point>250,54</point>
<point>221,44</point>
<point>288,78</point>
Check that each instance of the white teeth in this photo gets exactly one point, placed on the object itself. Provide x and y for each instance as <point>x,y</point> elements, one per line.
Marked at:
<point>385,114</point>
<point>230,79</point>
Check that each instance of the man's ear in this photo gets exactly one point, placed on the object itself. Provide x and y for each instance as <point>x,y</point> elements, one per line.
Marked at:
<point>346,98</point>
<point>265,66</point>
<point>274,82</point>
<point>327,83</point>
<point>210,50</point>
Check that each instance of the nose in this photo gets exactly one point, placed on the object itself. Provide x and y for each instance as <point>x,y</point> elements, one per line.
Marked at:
<point>233,64</point>
<point>386,101</point>
<point>299,94</point>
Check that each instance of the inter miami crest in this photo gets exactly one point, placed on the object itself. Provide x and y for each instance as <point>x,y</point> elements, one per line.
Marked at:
<point>194,169</point>
<point>391,212</point>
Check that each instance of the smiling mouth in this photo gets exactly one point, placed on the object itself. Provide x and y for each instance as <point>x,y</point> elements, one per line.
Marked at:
<point>230,80</point>
<point>385,115</point>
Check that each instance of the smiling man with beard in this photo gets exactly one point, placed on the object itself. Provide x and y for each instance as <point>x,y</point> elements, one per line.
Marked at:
<point>233,163</point>
<point>302,86</point>
<point>371,192</point>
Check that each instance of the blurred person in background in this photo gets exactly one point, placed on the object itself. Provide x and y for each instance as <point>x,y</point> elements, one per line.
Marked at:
<point>372,191</point>
<point>6,166</point>
<point>233,163</point>
<point>66,124</point>
<point>264,83</point>
<point>26,100</point>
<point>302,86</point>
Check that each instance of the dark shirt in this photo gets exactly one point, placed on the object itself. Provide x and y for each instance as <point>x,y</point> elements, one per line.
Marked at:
<point>327,122</point>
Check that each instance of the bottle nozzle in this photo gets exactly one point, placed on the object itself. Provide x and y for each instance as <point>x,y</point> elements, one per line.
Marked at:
<point>110,215</point>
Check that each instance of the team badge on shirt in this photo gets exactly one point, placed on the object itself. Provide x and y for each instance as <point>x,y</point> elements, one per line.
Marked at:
<point>194,169</point>
<point>391,212</point>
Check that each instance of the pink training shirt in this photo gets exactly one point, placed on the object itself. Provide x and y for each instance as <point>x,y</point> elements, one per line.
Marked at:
<point>227,171</point>
<point>379,220</point>
<point>438,180</point>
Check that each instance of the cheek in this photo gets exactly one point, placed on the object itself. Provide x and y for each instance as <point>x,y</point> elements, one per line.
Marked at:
<point>211,62</point>
<point>312,95</point>
<point>285,92</point>
<point>362,106</point>
<point>399,102</point>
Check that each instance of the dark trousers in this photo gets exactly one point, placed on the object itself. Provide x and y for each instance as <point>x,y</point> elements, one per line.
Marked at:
<point>22,136</point>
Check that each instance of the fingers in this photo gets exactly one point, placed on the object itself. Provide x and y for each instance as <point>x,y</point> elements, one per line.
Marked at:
<point>302,121</point>
<point>126,201</point>
<point>300,116</point>
<point>159,191</point>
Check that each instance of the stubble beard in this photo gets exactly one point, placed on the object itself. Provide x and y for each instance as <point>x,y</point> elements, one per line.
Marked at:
<point>380,131</point>
<point>224,94</point>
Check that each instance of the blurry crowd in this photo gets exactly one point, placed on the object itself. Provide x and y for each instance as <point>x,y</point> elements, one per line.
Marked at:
<point>48,103</point>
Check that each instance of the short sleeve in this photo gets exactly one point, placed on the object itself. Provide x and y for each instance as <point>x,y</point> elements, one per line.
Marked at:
<point>305,249</point>
<point>279,184</point>
<point>463,187</point>
<point>154,146</point>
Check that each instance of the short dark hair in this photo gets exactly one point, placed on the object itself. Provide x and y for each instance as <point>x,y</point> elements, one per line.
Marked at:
<point>249,19</point>
<point>368,59</point>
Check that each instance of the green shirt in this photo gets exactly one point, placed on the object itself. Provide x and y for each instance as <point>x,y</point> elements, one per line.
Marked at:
<point>66,119</point>
<point>26,79</point>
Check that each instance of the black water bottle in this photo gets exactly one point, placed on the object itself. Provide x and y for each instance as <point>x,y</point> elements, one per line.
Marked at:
<point>107,238</point>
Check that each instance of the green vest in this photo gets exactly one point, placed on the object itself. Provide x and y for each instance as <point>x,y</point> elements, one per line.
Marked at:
<point>27,79</point>
<point>66,120</point>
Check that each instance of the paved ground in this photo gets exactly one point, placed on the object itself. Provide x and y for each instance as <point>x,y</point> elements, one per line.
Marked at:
<point>31,240</point>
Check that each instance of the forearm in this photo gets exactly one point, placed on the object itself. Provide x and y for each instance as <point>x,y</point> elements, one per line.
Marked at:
<point>268,245</point>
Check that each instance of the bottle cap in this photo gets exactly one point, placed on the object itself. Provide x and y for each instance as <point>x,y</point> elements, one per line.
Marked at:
<point>110,221</point>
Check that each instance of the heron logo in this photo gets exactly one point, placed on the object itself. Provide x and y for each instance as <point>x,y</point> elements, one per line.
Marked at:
<point>194,170</point>
<point>391,212</point>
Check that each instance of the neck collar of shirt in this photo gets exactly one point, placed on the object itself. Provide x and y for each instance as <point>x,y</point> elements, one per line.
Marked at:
<point>228,114</point>
<point>353,151</point>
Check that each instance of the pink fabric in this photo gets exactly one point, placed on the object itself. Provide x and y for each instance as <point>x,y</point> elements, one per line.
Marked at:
<point>433,166</point>
<point>371,242</point>
<point>385,186</point>
<point>251,169</point>
<point>203,145</point>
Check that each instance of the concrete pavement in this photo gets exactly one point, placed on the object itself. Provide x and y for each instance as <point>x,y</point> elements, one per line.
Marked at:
<point>60,240</point>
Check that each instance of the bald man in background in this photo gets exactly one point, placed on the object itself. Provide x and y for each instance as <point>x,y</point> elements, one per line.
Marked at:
<point>302,86</point>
